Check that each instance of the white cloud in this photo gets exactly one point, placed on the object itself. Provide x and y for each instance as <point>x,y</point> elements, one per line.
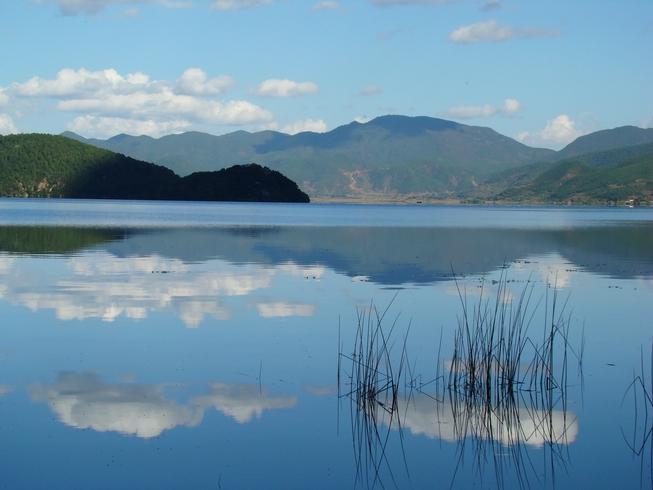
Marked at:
<point>558,132</point>
<point>7,125</point>
<point>491,31</point>
<point>140,104</point>
<point>509,107</point>
<point>560,129</point>
<point>481,32</point>
<point>238,4</point>
<point>326,5</point>
<point>275,87</point>
<point>4,98</point>
<point>283,310</point>
<point>370,90</point>
<point>314,125</point>
<point>166,104</point>
<point>83,83</point>
<point>92,7</point>
<point>362,119</point>
<point>194,81</point>
<point>103,127</point>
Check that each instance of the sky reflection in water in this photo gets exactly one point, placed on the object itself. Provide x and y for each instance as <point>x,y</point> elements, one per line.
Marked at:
<point>220,343</point>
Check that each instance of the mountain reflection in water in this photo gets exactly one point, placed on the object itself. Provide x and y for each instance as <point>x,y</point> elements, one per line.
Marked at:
<point>384,255</point>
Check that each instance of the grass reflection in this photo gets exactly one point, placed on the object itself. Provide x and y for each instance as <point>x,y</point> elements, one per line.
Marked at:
<point>502,391</point>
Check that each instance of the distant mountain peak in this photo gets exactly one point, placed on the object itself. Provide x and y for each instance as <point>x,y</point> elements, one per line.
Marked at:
<point>125,137</point>
<point>608,139</point>
<point>72,135</point>
<point>395,122</point>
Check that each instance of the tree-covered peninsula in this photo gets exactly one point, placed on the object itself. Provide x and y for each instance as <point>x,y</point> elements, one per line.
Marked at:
<point>40,165</point>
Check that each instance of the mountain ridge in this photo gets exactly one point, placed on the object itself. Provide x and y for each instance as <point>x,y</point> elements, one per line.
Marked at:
<point>40,165</point>
<point>388,154</point>
<point>409,158</point>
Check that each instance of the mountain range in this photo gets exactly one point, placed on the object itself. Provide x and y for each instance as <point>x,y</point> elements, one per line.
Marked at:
<point>407,158</point>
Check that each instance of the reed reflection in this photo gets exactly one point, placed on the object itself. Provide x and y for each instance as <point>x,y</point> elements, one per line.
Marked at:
<point>639,437</point>
<point>502,393</point>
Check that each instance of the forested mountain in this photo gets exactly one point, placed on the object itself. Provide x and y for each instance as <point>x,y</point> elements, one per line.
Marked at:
<point>39,165</point>
<point>399,157</point>
<point>607,139</point>
<point>537,182</point>
<point>611,176</point>
<point>387,156</point>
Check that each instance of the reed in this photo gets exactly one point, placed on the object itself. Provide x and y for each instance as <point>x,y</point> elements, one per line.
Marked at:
<point>640,439</point>
<point>372,385</point>
<point>502,388</point>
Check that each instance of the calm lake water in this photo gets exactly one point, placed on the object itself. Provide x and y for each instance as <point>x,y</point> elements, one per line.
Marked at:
<point>187,345</point>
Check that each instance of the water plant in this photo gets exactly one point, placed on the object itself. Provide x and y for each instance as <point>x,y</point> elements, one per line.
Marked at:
<point>640,439</point>
<point>373,388</point>
<point>502,390</point>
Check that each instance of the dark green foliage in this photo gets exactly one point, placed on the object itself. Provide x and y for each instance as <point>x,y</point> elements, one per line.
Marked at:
<point>576,180</point>
<point>53,239</point>
<point>394,155</point>
<point>607,139</point>
<point>37,165</point>
<point>240,183</point>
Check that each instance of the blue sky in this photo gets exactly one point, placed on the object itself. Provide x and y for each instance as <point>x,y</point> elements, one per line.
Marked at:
<point>541,72</point>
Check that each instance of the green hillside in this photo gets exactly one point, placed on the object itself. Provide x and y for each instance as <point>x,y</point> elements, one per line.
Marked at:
<point>574,180</point>
<point>515,180</point>
<point>38,165</point>
<point>390,155</point>
<point>607,139</point>
<point>419,158</point>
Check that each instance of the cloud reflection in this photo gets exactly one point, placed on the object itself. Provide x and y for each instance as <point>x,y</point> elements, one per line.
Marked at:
<point>101,285</point>
<point>529,426</point>
<point>6,263</point>
<point>84,401</point>
<point>281,309</point>
<point>243,402</point>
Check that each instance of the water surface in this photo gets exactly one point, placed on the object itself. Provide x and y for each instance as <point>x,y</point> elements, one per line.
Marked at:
<point>168,345</point>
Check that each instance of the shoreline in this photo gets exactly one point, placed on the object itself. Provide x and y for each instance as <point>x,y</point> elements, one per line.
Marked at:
<point>406,201</point>
<point>398,201</point>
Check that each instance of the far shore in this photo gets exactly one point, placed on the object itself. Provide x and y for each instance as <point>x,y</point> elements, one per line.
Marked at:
<point>405,200</point>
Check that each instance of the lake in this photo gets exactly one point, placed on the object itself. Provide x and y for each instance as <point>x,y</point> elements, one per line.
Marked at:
<point>188,345</point>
